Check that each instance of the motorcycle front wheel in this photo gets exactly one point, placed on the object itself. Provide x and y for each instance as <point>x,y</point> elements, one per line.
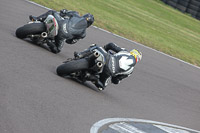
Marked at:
<point>30,29</point>
<point>72,66</point>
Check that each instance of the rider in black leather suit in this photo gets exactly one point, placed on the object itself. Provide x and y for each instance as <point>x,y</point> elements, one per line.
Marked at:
<point>72,27</point>
<point>119,65</point>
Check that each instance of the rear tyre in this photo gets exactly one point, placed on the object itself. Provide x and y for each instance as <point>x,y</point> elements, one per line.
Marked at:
<point>30,29</point>
<point>72,66</point>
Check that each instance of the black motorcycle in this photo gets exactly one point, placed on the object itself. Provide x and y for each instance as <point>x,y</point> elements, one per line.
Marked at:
<point>86,68</point>
<point>38,31</point>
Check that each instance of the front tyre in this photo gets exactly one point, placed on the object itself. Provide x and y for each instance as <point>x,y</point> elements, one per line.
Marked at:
<point>30,29</point>
<point>72,66</point>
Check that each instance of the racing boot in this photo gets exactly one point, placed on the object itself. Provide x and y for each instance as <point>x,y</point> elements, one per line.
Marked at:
<point>82,54</point>
<point>39,18</point>
<point>95,80</point>
<point>99,85</point>
<point>32,18</point>
<point>42,17</point>
<point>54,49</point>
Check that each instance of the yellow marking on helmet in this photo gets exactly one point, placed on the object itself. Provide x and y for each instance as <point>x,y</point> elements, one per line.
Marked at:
<point>135,53</point>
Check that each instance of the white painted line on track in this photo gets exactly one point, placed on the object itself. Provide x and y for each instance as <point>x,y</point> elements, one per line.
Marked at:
<point>125,38</point>
<point>38,4</point>
<point>123,127</point>
<point>95,128</point>
<point>171,130</point>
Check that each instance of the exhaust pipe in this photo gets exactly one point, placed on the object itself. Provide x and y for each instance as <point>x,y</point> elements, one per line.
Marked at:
<point>44,35</point>
<point>96,54</point>
<point>99,64</point>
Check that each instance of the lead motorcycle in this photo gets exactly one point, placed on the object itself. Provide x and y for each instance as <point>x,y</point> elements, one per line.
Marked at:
<point>82,68</point>
<point>38,31</point>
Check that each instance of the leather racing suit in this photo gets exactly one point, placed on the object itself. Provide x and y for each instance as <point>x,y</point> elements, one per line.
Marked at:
<point>72,27</point>
<point>118,65</point>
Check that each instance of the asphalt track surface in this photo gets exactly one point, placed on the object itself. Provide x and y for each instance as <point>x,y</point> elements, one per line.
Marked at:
<point>33,99</point>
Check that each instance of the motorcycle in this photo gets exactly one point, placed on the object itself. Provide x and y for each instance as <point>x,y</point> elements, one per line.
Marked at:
<point>82,69</point>
<point>38,31</point>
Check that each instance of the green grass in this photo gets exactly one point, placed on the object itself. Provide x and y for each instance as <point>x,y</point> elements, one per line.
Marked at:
<point>149,22</point>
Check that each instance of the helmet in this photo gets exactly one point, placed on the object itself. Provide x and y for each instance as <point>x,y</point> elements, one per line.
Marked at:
<point>137,54</point>
<point>90,19</point>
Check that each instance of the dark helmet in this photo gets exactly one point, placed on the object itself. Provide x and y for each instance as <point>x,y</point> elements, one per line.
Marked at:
<point>90,19</point>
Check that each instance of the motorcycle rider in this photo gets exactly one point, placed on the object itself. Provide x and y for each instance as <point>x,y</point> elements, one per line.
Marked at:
<point>118,66</point>
<point>72,27</point>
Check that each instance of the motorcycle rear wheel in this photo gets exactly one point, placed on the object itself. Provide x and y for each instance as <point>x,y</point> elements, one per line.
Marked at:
<point>30,29</point>
<point>72,66</point>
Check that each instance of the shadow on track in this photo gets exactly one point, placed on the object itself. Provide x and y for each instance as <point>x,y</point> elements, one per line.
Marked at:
<point>38,45</point>
<point>44,46</point>
<point>87,84</point>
